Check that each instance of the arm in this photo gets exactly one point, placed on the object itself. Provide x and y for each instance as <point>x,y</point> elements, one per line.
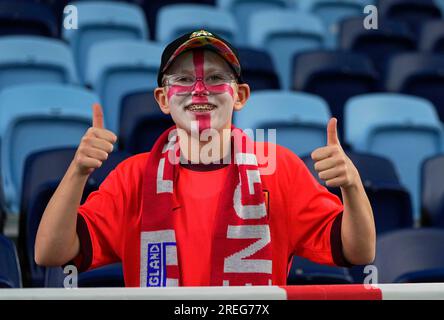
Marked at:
<point>57,241</point>
<point>337,170</point>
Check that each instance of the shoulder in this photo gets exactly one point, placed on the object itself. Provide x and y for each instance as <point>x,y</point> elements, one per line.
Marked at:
<point>133,165</point>
<point>273,155</point>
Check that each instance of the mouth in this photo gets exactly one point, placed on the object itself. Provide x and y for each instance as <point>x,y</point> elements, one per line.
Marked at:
<point>200,107</point>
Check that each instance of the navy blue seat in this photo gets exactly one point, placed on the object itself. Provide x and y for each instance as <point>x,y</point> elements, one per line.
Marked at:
<point>410,256</point>
<point>412,12</point>
<point>391,202</point>
<point>432,191</point>
<point>9,265</point>
<point>335,76</point>
<point>19,17</point>
<point>305,272</point>
<point>39,184</point>
<point>141,122</point>
<point>258,69</point>
<point>390,38</point>
<point>106,276</point>
<point>431,38</point>
<point>419,74</point>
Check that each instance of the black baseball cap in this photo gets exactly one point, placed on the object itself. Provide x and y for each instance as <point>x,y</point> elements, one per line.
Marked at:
<point>201,39</point>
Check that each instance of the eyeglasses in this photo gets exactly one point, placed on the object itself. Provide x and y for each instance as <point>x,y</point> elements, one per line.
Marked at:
<point>211,79</point>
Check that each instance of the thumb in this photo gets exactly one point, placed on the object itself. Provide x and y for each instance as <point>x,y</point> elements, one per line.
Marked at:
<point>332,132</point>
<point>97,116</point>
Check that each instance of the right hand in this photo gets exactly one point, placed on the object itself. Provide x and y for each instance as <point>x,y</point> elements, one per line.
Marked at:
<point>95,145</point>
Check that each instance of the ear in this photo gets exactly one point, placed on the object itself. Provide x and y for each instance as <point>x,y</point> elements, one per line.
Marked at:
<point>243,93</point>
<point>162,99</point>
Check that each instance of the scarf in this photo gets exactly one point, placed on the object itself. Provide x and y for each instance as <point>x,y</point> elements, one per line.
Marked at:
<point>241,244</point>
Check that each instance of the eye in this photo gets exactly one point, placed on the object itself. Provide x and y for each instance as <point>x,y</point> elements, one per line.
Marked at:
<point>184,79</point>
<point>217,78</point>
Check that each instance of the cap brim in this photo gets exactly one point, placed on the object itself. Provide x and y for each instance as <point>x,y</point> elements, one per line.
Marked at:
<point>211,43</point>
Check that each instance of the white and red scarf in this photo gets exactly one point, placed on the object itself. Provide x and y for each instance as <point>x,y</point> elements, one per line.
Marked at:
<point>241,245</point>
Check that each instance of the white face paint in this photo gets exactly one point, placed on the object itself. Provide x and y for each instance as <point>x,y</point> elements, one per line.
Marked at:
<point>217,100</point>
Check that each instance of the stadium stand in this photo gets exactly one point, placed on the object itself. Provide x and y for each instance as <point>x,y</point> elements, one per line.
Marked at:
<point>30,59</point>
<point>305,272</point>
<point>335,76</point>
<point>432,191</point>
<point>21,17</point>
<point>39,183</point>
<point>300,119</point>
<point>284,33</point>
<point>176,20</point>
<point>403,128</point>
<point>418,74</point>
<point>35,117</point>
<point>258,69</point>
<point>101,21</point>
<point>380,44</point>
<point>409,256</point>
<point>9,265</point>
<point>119,68</point>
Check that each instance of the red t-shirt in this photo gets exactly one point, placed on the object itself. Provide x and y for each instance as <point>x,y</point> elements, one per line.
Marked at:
<point>304,218</point>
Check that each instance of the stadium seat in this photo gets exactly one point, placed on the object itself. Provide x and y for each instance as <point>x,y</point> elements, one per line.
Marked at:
<point>305,272</point>
<point>408,256</point>
<point>258,69</point>
<point>39,184</point>
<point>403,128</point>
<point>21,17</point>
<point>106,276</point>
<point>101,21</point>
<point>412,12</point>
<point>121,67</point>
<point>35,117</point>
<point>380,44</point>
<point>335,76</point>
<point>9,265</point>
<point>300,119</point>
<point>284,33</point>
<point>30,59</point>
<point>332,12</point>
<point>243,9</point>
<point>419,74</point>
<point>431,38</point>
<point>391,203</point>
<point>432,191</point>
<point>178,19</point>
<point>141,122</point>
<point>151,8</point>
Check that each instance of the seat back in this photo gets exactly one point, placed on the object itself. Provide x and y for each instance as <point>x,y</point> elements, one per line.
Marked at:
<point>9,265</point>
<point>178,19</point>
<point>432,188</point>
<point>118,68</point>
<point>300,119</point>
<point>100,21</point>
<point>431,37</point>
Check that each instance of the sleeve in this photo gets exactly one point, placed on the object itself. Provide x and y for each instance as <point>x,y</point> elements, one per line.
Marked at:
<point>315,217</point>
<point>99,224</point>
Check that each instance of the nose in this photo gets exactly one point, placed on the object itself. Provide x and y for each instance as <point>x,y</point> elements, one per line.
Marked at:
<point>200,88</point>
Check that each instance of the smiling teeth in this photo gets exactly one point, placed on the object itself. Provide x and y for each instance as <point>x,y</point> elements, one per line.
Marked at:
<point>201,107</point>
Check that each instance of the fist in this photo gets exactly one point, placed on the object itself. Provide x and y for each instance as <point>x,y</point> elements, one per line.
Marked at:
<point>95,146</point>
<point>332,164</point>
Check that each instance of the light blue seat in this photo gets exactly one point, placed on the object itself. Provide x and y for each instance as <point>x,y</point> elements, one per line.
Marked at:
<point>122,67</point>
<point>243,9</point>
<point>300,118</point>
<point>37,117</point>
<point>99,21</point>
<point>405,129</point>
<point>178,19</point>
<point>332,12</point>
<point>30,59</point>
<point>284,33</point>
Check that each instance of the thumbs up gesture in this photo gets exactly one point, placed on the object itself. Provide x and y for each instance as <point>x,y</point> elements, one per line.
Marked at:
<point>332,164</point>
<point>95,145</point>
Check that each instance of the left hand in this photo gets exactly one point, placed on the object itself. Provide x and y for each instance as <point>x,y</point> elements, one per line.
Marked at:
<point>332,164</point>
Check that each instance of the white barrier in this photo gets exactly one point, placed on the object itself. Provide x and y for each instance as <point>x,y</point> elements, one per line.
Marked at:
<point>327,292</point>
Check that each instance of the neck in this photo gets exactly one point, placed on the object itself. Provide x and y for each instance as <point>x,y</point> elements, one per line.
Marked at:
<point>210,146</point>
